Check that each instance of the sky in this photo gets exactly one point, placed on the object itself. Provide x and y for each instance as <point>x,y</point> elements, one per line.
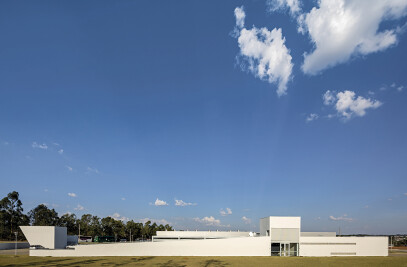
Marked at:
<point>208,115</point>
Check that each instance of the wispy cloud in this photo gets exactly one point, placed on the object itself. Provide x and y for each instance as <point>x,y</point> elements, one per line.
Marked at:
<point>72,195</point>
<point>246,220</point>
<point>208,221</point>
<point>159,202</point>
<point>341,218</point>
<point>92,170</point>
<point>69,168</point>
<point>312,117</point>
<point>179,202</point>
<point>157,221</point>
<point>79,207</point>
<point>118,217</point>
<point>281,5</point>
<point>61,151</point>
<point>225,212</point>
<point>263,53</point>
<point>123,198</point>
<point>40,146</point>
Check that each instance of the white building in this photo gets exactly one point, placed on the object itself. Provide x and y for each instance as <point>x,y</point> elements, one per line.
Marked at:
<point>279,236</point>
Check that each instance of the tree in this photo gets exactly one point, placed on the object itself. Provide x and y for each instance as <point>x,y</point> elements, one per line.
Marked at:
<point>11,214</point>
<point>134,228</point>
<point>70,222</point>
<point>43,216</point>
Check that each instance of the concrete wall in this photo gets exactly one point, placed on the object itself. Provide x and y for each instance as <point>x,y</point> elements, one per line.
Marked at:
<point>11,245</point>
<point>330,234</point>
<point>264,226</point>
<point>343,246</point>
<point>51,237</point>
<point>239,246</point>
<point>202,234</point>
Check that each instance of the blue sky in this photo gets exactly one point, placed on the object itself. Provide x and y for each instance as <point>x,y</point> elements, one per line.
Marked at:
<point>208,115</point>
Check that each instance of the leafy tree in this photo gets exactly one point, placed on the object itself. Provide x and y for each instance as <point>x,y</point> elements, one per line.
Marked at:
<point>11,214</point>
<point>70,222</point>
<point>43,216</point>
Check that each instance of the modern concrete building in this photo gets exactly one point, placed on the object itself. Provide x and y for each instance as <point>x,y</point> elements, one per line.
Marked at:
<point>279,236</point>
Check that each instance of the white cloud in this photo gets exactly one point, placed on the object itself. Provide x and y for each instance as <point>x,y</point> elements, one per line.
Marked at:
<point>72,195</point>
<point>36,145</point>
<point>240,15</point>
<point>341,29</point>
<point>329,98</point>
<point>225,212</point>
<point>159,202</point>
<point>400,88</point>
<point>61,151</point>
<point>341,218</point>
<point>264,53</point>
<point>123,198</point>
<point>45,190</point>
<point>405,194</point>
<point>79,207</point>
<point>246,220</point>
<point>179,202</point>
<point>157,221</point>
<point>69,168</point>
<point>208,221</point>
<point>118,217</point>
<point>312,117</point>
<point>281,5</point>
<point>92,170</point>
<point>347,105</point>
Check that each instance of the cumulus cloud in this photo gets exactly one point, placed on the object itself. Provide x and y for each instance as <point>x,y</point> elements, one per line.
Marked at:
<point>179,202</point>
<point>123,198</point>
<point>72,195</point>
<point>208,221</point>
<point>347,105</point>
<point>157,221</point>
<point>79,207</point>
<point>341,29</point>
<point>341,218</point>
<point>263,53</point>
<point>225,212</point>
<point>40,146</point>
<point>246,220</point>
<point>312,117</point>
<point>61,151</point>
<point>118,217</point>
<point>281,5</point>
<point>69,168</point>
<point>159,202</point>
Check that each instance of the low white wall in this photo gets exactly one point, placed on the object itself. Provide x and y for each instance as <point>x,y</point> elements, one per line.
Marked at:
<point>12,245</point>
<point>51,237</point>
<point>240,246</point>
<point>343,246</point>
<point>203,234</point>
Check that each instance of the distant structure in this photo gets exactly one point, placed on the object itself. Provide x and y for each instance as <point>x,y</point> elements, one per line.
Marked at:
<point>279,236</point>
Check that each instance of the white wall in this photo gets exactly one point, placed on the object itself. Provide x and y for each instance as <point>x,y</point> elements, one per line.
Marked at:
<point>343,246</point>
<point>197,234</point>
<point>285,222</point>
<point>331,234</point>
<point>239,246</point>
<point>51,237</point>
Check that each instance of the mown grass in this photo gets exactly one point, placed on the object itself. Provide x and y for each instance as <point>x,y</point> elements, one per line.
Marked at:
<point>9,260</point>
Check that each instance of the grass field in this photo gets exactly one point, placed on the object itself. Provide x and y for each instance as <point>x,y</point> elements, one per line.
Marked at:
<point>9,260</point>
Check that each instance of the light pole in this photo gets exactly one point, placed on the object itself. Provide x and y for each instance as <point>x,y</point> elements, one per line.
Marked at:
<point>15,246</point>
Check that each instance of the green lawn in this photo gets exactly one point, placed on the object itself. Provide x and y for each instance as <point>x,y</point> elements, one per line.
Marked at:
<point>8,260</point>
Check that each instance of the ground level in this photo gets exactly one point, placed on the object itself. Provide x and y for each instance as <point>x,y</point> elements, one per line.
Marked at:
<point>25,260</point>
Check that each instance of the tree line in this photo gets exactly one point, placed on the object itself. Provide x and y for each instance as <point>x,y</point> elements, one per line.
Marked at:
<point>12,216</point>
